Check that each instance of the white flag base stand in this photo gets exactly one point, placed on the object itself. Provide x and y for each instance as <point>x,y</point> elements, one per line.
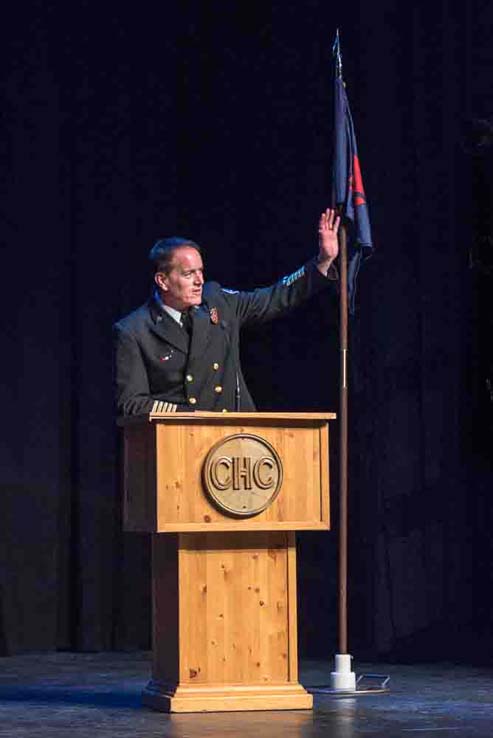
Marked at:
<point>342,679</point>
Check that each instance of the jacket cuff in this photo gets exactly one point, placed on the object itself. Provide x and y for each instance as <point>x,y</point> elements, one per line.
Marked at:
<point>332,272</point>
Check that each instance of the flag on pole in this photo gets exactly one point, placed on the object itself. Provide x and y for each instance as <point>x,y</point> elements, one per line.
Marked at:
<point>347,183</point>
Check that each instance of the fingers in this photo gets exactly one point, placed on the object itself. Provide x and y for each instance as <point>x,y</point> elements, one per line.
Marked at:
<point>329,220</point>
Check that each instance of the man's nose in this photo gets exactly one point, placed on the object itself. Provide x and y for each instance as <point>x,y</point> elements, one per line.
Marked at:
<point>199,278</point>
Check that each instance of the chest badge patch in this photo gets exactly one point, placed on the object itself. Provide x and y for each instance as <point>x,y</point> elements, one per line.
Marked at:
<point>167,356</point>
<point>214,315</point>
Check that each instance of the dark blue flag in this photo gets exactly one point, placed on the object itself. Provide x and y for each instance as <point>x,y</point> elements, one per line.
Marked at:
<point>347,183</point>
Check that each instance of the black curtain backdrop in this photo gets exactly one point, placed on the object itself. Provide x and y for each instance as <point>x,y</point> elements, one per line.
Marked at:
<point>213,120</point>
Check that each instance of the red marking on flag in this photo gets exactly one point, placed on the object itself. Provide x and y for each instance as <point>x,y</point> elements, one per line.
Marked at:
<point>356,183</point>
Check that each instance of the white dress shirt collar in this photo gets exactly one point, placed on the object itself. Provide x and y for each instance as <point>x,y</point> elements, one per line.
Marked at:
<point>175,314</point>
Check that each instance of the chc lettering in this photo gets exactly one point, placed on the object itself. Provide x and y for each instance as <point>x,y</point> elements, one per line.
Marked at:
<point>242,472</point>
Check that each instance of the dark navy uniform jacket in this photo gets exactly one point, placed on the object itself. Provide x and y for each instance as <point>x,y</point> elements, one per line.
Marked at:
<point>157,360</point>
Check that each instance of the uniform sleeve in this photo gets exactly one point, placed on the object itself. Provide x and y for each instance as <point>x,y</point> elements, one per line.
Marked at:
<point>268,303</point>
<point>130,374</point>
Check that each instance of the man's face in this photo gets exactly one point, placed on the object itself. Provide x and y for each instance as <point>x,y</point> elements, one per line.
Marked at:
<point>182,286</point>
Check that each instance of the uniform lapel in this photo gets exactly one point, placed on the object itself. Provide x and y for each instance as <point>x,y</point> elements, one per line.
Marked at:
<point>168,329</point>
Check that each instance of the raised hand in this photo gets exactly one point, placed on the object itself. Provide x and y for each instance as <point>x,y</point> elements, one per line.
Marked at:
<point>328,246</point>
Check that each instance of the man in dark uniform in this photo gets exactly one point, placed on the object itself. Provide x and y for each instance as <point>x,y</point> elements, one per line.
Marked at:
<point>180,351</point>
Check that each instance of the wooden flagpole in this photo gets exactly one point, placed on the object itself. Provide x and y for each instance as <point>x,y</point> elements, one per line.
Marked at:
<point>343,679</point>
<point>343,443</point>
<point>345,156</point>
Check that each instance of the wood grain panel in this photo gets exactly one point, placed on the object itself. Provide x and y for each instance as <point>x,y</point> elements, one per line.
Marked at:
<point>183,505</point>
<point>235,614</point>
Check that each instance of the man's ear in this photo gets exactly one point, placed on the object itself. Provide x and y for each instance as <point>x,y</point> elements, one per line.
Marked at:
<point>161,280</point>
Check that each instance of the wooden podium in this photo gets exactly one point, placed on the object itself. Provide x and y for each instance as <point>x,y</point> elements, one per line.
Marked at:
<point>223,495</point>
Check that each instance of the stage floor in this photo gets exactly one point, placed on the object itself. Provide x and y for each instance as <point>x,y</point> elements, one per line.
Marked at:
<point>91,695</point>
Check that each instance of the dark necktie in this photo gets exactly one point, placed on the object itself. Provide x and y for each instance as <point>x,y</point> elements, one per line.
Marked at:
<point>186,322</point>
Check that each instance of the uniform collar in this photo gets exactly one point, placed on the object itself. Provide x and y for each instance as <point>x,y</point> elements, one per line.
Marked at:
<point>175,314</point>
<point>167,327</point>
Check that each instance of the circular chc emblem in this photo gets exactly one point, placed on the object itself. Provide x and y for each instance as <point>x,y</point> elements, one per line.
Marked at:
<point>242,474</point>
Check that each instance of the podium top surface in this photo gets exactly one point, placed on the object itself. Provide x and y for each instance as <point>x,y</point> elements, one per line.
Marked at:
<point>200,415</point>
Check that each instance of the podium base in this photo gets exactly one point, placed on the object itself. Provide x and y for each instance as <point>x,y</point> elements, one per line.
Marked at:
<point>226,698</point>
